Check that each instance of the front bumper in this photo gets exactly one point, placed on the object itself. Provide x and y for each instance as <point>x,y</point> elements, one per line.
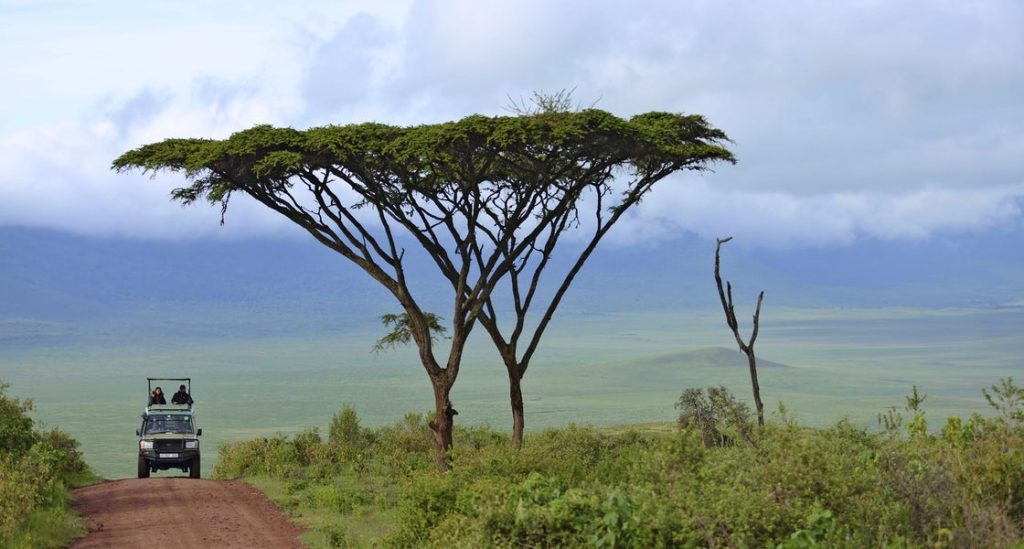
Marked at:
<point>169,457</point>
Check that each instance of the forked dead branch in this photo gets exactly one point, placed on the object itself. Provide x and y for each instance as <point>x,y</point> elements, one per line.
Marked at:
<point>725,295</point>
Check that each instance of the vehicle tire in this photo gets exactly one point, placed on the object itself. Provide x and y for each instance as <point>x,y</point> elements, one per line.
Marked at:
<point>143,468</point>
<point>193,469</point>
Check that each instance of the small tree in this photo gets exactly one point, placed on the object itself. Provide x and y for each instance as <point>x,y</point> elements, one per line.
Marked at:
<point>718,416</point>
<point>343,434</point>
<point>487,199</point>
<point>1008,400</point>
<point>400,334</point>
<point>725,295</point>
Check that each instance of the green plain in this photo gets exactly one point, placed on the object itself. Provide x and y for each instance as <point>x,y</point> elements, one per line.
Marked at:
<point>604,370</point>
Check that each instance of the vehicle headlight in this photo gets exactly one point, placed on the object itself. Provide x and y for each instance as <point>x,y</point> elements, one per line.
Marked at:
<point>191,444</point>
<point>145,444</point>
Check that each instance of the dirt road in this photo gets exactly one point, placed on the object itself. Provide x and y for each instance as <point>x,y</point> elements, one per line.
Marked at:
<point>181,513</point>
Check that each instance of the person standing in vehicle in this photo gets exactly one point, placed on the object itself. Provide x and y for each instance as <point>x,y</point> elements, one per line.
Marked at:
<point>157,397</point>
<point>181,397</point>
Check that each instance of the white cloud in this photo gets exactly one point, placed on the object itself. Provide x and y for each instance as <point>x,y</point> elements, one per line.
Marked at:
<point>782,220</point>
<point>865,119</point>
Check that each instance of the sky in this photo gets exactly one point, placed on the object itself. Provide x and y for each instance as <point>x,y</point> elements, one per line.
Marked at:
<point>864,120</point>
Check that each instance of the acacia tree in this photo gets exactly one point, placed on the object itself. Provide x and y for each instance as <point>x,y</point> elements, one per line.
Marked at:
<point>487,198</point>
<point>399,332</point>
<point>725,296</point>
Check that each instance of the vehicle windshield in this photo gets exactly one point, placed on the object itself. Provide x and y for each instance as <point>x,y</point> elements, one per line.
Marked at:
<point>177,424</point>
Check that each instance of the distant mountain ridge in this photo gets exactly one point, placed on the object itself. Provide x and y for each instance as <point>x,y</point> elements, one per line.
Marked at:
<point>54,276</point>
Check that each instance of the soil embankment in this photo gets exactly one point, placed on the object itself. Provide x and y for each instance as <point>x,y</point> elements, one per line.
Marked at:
<point>181,513</point>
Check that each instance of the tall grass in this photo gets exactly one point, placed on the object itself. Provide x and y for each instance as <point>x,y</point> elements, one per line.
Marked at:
<point>961,485</point>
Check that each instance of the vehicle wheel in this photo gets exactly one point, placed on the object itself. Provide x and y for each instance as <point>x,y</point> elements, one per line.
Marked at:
<point>143,468</point>
<point>193,470</point>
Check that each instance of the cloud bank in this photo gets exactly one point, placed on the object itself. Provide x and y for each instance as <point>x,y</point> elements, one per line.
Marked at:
<point>888,120</point>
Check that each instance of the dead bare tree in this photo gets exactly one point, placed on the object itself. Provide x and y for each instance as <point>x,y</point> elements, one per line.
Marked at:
<point>725,294</point>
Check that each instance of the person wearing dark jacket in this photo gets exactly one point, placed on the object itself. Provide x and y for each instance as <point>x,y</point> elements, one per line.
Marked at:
<point>181,397</point>
<point>157,397</point>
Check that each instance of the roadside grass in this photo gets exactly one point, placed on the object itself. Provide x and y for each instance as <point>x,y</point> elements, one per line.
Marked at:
<point>713,480</point>
<point>54,524</point>
<point>329,523</point>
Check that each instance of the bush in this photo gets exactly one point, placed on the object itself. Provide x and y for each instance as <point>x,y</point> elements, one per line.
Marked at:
<point>718,416</point>
<point>719,481</point>
<point>69,459</point>
<point>274,456</point>
<point>344,432</point>
<point>16,435</point>
<point>34,469</point>
<point>26,483</point>
<point>1008,400</point>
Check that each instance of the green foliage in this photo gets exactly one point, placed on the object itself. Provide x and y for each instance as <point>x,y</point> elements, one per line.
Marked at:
<point>819,525</point>
<point>915,400</point>
<point>344,433</point>
<point>400,333</point>
<point>262,159</point>
<point>1008,400</point>
<point>577,486</point>
<point>718,416</point>
<point>16,435</point>
<point>891,420</point>
<point>35,467</point>
<point>69,459</point>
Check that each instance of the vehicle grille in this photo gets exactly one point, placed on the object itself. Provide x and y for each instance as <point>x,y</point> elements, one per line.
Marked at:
<point>169,444</point>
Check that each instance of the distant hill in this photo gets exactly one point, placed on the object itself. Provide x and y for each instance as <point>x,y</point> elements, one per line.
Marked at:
<point>706,357</point>
<point>52,276</point>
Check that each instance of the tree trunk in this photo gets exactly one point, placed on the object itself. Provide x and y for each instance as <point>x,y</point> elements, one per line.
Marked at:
<point>516,397</point>
<point>725,296</point>
<point>441,425</point>
<point>752,362</point>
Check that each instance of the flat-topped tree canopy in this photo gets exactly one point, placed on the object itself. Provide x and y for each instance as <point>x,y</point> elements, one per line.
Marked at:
<point>487,198</point>
<point>471,151</point>
<point>489,175</point>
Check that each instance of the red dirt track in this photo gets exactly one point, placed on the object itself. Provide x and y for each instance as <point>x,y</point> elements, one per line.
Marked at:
<point>181,513</point>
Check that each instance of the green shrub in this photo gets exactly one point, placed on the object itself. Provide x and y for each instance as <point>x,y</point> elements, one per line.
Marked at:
<point>35,467</point>
<point>274,456</point>
<point>718,416</point>
<point>780,486</point>
<point>344,432</point>
<point>69,459</point>
<point>1008,400</point>
<point>16,435</point>
<point>25,483</point>
<point>425,501</point>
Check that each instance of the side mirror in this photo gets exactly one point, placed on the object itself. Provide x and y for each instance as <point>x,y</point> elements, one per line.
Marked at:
<point>199,432</point>
<point>137,433</point>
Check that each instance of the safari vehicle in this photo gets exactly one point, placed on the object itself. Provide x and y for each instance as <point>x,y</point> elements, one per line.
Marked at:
<point>168,437</point>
